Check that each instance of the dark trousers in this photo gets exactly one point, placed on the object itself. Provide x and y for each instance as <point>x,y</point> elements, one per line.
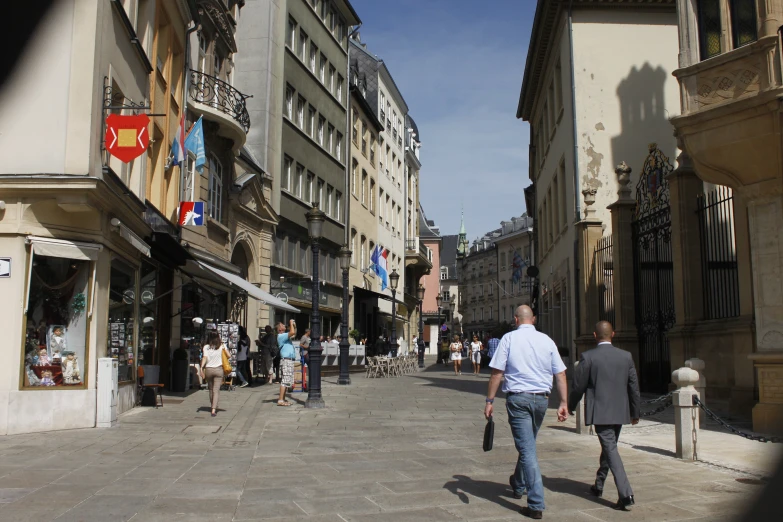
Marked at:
<point>608,435</point>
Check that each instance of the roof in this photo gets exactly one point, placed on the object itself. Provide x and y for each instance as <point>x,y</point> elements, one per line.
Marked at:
<point>353,18</point>
<point>412,124</point>
<point>424,226</point>
<point>543,34</point>
<point>356,94</point>
<point>380,66</point>
<point>448,251</point>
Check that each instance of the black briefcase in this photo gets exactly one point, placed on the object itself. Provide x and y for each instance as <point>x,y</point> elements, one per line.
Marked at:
<point>489,434</point>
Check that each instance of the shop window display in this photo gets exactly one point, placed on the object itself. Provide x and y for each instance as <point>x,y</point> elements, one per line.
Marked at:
<point>56,339</point>
<point>122,315</point>
<point>148,314</point>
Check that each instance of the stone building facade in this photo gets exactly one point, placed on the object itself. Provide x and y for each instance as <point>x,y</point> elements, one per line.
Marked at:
<point>515,255</point>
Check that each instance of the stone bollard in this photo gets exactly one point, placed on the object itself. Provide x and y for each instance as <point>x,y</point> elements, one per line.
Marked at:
<point>694,363</point>
<point>686,421</point>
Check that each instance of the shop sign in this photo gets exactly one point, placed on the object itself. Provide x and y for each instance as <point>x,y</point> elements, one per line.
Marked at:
<point>191,213</point>
<point>147,296</point>
<point>127,137</point>
<point>5,267</point>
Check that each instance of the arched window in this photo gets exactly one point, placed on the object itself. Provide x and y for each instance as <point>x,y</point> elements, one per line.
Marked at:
<point>215,194</point>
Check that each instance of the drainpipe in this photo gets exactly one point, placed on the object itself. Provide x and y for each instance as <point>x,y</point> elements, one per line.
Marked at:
<point>577,203</point>
<point>348,138</point>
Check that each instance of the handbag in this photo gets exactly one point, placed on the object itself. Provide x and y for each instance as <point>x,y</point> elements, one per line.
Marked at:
<point>489,434</point>
<point>226,363</point>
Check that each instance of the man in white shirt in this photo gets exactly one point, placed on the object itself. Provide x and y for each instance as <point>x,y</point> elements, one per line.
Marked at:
<point>528,359</point>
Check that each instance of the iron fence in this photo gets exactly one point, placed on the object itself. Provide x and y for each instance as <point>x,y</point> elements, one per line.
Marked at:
<point>604,273</point>
<point>718,254</point>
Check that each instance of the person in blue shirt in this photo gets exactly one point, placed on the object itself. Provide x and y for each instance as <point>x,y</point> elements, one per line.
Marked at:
<point>528,359</point>
<point>492,346</point>
<point>287,356</point>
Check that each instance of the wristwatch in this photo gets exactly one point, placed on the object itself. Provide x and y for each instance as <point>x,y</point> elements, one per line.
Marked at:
<point>490,401</point>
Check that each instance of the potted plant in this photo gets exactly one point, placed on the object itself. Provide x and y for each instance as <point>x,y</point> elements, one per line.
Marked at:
<point>354,336</point>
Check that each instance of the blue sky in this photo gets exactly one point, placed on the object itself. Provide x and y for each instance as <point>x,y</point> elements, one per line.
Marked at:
<point>459,65</point>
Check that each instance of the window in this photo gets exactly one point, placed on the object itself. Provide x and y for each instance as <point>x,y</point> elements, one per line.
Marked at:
<point>330,135</point>
<point>364,138</point>
<point>339,149</point>
<point>308,195</point>
<point>324,9</point>
<point>322,69</point>
<point>123,307</point>
<point>364,253</point>
<point>300,107</point>
<point>57,308</point>
<point>503,287</point>
<point>302,44</point>
<point>298,180</point>
<point>332,72</point>
<point>340,82</point>
<point>444,273</point>
<point>503,260</point>
<point>558,87</point>
<point>355,133</point>
<point>285,178</point>
<point>743,22</point>
<point>279,253</point>
<point>303,264</point>
<point>289,101</point>
<point>354,169</point>
<point>320,136</point>
<point>290,39</point>
<point>562,194</point>
<point>372,195</point>
<point>372,149</point>
<point>215,194</point>
<point>313,56</point>
<point>292,251</point>
<point>329,201</point>
<point>321,195</point>
<point>709,28</point>
<point>380,206</point>
<point>311,121</point>
<point>338,206</point>
<point>353,247</point>
<point>364,187</point>
<point>556,203</point>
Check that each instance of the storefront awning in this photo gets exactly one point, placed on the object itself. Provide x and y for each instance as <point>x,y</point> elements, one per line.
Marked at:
<point>252,290</point>
<point>363,293</point>
<point>44,246</point>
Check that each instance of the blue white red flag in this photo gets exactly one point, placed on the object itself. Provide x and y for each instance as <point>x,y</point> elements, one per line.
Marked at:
<point>178,147</point>
<point>379,265</point>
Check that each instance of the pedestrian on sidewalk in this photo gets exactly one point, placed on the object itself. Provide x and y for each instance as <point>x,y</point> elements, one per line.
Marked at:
<point>607,377</point>
<point>456,355</point>
<point>475,355</point>
<point>243,350</point>
<point>492,346</point>
<point>287,356</point>
<point>528,359</point>
<point>267,347</point>
<point>212,367</point>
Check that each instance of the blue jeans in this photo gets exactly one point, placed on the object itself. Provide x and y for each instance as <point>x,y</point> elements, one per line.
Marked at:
<point>525,415</point>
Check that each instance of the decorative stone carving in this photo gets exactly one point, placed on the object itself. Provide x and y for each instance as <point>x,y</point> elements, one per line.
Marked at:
<point>623,172</point>
<point>589,198</point>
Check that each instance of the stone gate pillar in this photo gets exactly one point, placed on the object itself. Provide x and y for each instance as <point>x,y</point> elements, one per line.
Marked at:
<point>589,231</point>
<point>623,210</point>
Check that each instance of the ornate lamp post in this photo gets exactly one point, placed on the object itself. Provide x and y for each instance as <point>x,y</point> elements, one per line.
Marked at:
<point>439,300</point>
<point>394,278</point>
<point>345,264</point>
<point>315,223</point>
<point>420,347</point>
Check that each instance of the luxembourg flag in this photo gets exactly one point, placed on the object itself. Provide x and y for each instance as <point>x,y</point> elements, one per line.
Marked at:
<point>178,147</point>
<point>379,266</point>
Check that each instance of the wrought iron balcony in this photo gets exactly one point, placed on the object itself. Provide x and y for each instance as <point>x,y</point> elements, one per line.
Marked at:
<point>221,96</point>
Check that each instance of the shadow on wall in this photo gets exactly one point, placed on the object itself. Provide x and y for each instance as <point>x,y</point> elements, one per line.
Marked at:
<point>643,119</point>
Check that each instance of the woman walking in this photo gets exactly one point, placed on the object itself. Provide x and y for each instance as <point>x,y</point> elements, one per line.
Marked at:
<point>243,351</point>
<point>212,367</point>
<point>475,355</point>
<point>456,355</point>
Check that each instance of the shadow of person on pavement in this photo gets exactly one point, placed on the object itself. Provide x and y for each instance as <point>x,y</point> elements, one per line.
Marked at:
<point>499,494</point>
<point>573,487</point>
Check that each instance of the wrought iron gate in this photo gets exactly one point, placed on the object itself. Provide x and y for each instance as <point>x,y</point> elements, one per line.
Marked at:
<point>653,274</point>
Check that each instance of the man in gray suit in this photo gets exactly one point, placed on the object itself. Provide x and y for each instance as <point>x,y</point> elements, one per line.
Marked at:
<point>608,377</point>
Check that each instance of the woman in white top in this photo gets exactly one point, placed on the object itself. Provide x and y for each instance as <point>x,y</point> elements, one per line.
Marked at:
<point>212,367</point>
<point>456,355</point>
<point>475,355</point>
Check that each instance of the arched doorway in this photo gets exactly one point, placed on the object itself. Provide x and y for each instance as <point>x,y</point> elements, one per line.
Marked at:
<point>240,306</point>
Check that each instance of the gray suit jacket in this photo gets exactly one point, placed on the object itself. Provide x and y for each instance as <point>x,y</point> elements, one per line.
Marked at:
<point>607,376</point>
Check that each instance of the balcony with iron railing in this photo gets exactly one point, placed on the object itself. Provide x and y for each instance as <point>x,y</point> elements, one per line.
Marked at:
<point>219,102</point>
<point>417,253</point>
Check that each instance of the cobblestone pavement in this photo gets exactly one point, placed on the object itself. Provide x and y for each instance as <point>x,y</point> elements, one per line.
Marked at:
<point>399,449</point>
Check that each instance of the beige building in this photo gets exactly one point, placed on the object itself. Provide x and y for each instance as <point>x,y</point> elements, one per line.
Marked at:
<point>363,207</point>
<point>515,255</point>
<point>587,114</point>
<point>478,279</point>
<point>730,82</point>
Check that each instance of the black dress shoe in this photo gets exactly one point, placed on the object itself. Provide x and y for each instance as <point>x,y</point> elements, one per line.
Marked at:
<point>532,513</point>
<point>596,492</point>
<point>624,504</point>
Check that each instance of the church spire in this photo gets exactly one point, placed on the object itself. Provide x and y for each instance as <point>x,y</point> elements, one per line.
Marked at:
<point>462,242</point>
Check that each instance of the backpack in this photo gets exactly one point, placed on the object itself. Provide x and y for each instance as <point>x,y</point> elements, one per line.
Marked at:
<point>271,344</point>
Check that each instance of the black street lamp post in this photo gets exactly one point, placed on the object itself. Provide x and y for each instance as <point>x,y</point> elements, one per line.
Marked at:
<point>315,223</point>
<point>394,278</point>
<point>420,347</point>
<point>345,264</point>
<point>439,299</point>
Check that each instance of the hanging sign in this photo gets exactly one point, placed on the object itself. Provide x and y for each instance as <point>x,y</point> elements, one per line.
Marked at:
<point>191,213</point>
<point>127,137</point>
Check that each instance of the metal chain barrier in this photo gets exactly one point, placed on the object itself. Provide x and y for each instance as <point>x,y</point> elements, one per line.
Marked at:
<point>657,410</point>
<point>662,398</point>
<point>711,415</point>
